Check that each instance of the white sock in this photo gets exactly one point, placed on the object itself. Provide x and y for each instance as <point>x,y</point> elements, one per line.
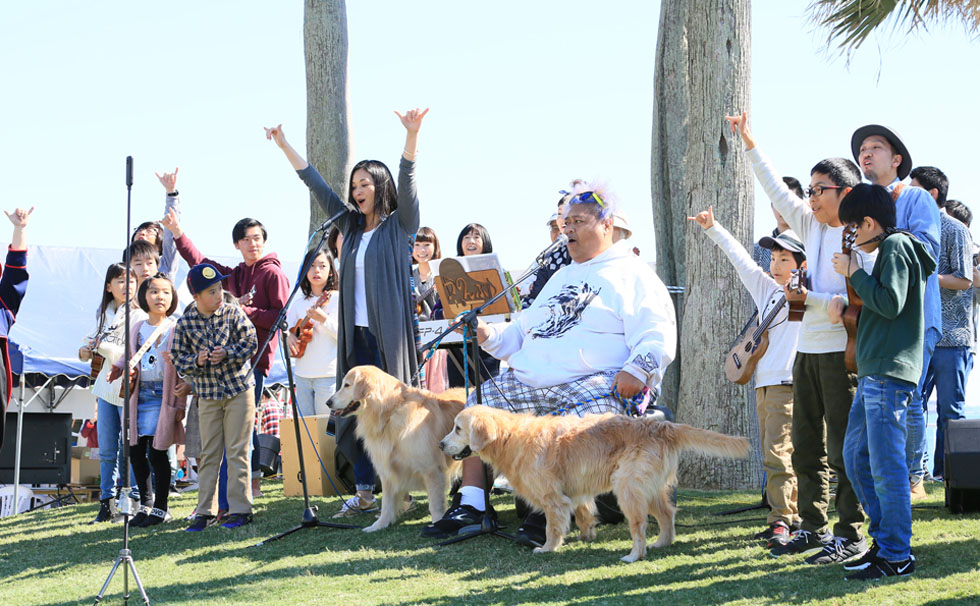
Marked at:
<point>472,496</point>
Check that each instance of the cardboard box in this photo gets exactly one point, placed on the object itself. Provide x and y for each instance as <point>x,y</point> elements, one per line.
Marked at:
<point>85,465</point>
<point>318,483</point>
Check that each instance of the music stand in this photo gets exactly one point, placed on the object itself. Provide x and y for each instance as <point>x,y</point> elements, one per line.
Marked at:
<point>488,525</point>
<point>309,518</point>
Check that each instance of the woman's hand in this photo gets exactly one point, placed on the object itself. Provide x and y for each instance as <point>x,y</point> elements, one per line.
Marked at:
<point>182,390</point>
<point>412,120</point>
<point>317,315</point>
<point>705,219</point>
<point>114,373</point>
<point>835,309</point>
<point>168,180</point>
<point>276,134</point>
<point>292,342</point>
<point>84,353</point>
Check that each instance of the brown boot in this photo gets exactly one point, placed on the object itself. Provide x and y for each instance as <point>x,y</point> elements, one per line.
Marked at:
<point>917,490</point>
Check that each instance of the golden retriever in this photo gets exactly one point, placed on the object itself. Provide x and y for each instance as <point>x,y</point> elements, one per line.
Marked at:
<point>560,464</point>
<point>401,427</point>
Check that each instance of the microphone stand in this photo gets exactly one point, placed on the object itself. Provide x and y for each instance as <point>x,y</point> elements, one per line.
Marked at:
<point>309,518</point>
<point>488,524</point>
<point>125,558</point>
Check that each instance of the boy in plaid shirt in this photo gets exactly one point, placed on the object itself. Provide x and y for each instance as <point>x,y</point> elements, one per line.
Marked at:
<point>213,344</point>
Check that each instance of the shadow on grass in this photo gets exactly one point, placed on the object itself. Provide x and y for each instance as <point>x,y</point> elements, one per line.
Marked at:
<point>711,562</point>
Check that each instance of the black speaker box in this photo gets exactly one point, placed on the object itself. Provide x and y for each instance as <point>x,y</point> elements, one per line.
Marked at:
<point>962,465</point>
<point>45,456</point>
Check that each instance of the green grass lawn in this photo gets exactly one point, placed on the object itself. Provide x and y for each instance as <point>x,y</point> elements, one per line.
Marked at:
<point>55,557</point>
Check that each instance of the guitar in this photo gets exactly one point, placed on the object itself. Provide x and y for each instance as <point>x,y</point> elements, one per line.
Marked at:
<point>796,308</point>
<point>136,358</point>
<point>853,310</point>
<point>750,346</point>
<point>304,328</point>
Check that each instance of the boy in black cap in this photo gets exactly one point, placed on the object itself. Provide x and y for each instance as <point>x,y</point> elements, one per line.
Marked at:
<point>889,363</point>
<point>213,344</point>
<point>774,371</point>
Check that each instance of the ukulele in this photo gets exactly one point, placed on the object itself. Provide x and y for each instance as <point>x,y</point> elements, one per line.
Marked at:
<point>853,310</point>
<point>304,328</point>
<point>796,282</point>
<point>742,358</point>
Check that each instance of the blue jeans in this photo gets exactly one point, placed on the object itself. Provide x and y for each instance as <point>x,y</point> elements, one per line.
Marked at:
<point>874,458</point>
<point>915,447</point>
<point>948,371</point>
<point>109,428</point>
<point>311,392</point>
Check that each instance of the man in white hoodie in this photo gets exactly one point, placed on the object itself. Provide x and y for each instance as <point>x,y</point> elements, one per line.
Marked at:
<point>602,326</point>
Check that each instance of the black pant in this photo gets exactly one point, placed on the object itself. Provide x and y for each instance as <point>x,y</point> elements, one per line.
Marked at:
<point>161,471</point>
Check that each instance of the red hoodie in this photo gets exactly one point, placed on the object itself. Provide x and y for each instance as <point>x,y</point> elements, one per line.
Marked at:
<point>271,292</point>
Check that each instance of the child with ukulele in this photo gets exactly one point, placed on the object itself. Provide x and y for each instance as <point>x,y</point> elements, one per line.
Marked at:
<point>774,369</point>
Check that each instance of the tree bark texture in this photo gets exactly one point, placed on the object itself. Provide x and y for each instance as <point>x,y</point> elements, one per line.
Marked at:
<point>328,123</point>
<point>703,69</point>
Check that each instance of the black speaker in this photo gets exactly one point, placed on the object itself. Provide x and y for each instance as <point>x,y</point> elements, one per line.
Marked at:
<point>962,465</point>
<point>45,450</point>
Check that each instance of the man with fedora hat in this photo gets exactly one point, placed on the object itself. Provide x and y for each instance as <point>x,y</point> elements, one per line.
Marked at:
<point>885,160</point>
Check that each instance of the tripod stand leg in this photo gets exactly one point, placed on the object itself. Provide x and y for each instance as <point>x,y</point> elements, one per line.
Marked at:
<point>139,583</point>
<point>105,586</point>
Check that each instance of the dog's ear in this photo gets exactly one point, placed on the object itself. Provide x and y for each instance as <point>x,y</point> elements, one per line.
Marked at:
<point>357,384</point>
<point>482,432</point>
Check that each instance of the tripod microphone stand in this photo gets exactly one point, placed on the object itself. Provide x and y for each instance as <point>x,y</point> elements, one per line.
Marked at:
<point>309,518</point>
<point>125,558</point>
<point>488,524</point>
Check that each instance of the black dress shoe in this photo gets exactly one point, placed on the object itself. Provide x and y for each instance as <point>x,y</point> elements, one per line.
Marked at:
<point>533,531</point>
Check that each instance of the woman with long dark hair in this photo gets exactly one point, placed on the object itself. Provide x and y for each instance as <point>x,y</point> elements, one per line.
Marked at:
<point>376,313</point>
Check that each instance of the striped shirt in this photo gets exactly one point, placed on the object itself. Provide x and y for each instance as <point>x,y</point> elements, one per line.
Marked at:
<point>227,327</point>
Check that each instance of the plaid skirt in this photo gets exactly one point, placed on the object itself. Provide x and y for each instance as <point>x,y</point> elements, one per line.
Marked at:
<point>588,395</point>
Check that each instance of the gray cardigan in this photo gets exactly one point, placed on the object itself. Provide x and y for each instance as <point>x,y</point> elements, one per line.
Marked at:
<point>388,267</point>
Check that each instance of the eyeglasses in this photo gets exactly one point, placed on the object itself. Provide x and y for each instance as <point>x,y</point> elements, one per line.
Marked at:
<point>817,190</point>
<point>589,196</point>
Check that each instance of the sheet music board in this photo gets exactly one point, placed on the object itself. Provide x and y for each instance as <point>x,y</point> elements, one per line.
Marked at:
<point>481,279</point>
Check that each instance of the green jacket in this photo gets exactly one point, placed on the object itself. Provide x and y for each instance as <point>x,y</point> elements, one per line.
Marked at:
<point>892,321</point>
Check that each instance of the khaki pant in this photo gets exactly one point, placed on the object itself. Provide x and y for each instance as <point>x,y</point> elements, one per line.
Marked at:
<point>823,391</point>
<point>774,405</point>
<point>226,428</point>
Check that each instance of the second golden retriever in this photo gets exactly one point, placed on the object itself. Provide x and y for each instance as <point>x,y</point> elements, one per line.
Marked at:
<point>560,464</point>
<point>401,427</point>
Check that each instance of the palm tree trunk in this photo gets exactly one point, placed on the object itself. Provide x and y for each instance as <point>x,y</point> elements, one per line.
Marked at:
<point>328,124</point>
<point>703,68</point>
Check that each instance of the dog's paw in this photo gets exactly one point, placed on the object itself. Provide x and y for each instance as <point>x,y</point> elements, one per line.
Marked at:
<point>541,550</point>
<point>375,527</point>
<point>630,558</point>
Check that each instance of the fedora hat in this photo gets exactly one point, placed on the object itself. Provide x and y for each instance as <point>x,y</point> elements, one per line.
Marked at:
<point>891,136</point>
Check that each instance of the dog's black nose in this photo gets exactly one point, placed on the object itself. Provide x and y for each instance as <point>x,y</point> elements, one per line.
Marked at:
<point>442,445</point>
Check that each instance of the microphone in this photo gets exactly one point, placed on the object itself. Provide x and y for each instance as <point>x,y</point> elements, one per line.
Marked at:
<point>129,171</point>
<point>560,242</point>
<point>330,221</point>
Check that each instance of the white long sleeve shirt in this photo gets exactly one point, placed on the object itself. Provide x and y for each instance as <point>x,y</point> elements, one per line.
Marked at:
<point>775,367</point>
<point>817,335</point>
<point>610,313</point>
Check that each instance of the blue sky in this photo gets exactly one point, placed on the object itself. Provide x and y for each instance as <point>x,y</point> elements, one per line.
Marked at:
<point>524,97</point>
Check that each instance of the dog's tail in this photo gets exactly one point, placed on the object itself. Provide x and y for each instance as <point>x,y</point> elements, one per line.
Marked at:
<point>705,441</point>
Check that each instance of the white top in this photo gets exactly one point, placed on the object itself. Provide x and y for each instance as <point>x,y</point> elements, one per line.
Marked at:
<point>112,343</point>
<point>775,367</point>
<point>817,335</point>
<point>611,313</point>
<point>151,364</point>
<point>320,359</point>
<point>360,292</point>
